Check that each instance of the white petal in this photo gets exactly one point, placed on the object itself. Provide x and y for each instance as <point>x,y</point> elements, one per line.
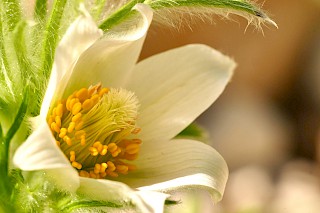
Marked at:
<point>111,59</point>
<point>154,200</point>
<point>179,164</point>
<point>81,34</point>
<point>40,152</point>
<point>176,86</point>
<point>114,191</point>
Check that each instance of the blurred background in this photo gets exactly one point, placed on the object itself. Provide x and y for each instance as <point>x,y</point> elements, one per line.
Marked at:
<point>267,123</point>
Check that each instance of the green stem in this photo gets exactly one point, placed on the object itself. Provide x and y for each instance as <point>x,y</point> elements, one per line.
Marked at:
<point>15,126</point>
<point>40,9</point>
<point>51,36</point>
<point>119,15</point>
<point>5,184</point>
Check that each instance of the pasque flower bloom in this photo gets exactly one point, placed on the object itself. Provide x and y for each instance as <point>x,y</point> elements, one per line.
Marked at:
<point>107,125</point>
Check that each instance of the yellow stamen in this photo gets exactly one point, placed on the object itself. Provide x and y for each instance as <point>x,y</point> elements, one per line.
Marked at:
<point>76,108</point>
<point>58,121</point>
<point>111,166</point>
<point>72,156</point>
<point>55,127</point>
<point>95,123</point>
<point>103,91</point>
<point>82,94</point>
<point>79,133</point>
<point>123,169</point>
<point>87,104</point>
<point>59,110</point>
<point>95,99</point>
<point>136,131</point>
<point>77,117</point>
<point>72,103</point>
<point>79,125</point>
<point>83,173</point>
<point>83,140</point>
<point>112,173</point>
<point>71,127</point>
<point>112,147</point>
<point>67,140</point>
<point>132,148</point>
<point>63,132</point>
<point>93,151</point>
<point>76,165</point>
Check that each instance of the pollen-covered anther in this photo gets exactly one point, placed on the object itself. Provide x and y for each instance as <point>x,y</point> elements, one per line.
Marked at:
<point>55,127</point>
<point>82,94</point>
<point>83,140</point>
<point>112,174</point>
<point>76,108</point>
<point>72,156</point>
<point>95,99</point>
<point>96,169</point>
<point>130,157</point>
<point>58,121</point>
<point>79,125</point>
<point>59,110</point>
<point>114,149</point>
<point>93,151</point>
<point>76,117</point>
<point>123,169</point>
<point>103,91</point>
<point>67,139</point>
<point>87,104</point>
<point>132,148</point>
<point>76,165</point>
<point>98,148</point>
<point>71,103</point>
<point>111,166</point>
<point>63,132</point>
<point>71,127</point>
<point>84,173</point>
<point>136,131</point>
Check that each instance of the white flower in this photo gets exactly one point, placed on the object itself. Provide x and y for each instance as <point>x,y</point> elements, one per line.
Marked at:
<point>159,96</point>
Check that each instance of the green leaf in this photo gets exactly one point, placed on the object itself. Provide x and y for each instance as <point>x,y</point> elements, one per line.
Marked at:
<point>20,49</point>
<point>51,36</point>
<point>6,75</point>
<point>12,13</point>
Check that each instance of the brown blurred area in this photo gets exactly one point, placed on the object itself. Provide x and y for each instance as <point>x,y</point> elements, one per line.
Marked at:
<point>266,123</point>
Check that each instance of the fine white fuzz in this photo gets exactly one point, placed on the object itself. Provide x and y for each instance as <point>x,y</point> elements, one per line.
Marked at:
<point>179,17</point>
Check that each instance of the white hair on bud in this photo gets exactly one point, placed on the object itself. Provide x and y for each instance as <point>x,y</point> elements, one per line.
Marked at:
<point>177,17</point>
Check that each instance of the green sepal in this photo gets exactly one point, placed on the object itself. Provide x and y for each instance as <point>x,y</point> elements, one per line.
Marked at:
<point>36,193</point>
<point>195,132</point>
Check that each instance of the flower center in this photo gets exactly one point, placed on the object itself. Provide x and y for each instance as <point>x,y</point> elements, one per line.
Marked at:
<point>95,129</point>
